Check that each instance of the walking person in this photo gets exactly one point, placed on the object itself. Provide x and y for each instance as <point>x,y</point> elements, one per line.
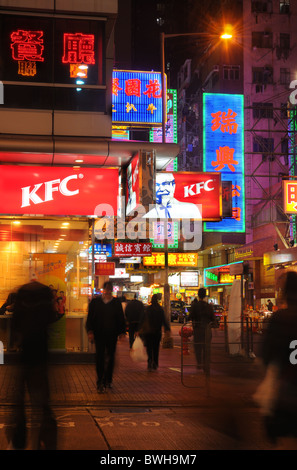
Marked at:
<point>33,312</point>
<point>134,313</point>
<point>201,315</point>
<point>105,323</point>
<point>151,331</point>
<point>278,400</point>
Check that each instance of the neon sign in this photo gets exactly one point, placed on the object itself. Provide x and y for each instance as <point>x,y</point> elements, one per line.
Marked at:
<point>223,152</point>
<point>27,45</point>
<point>156,134</point>
<point>78,48</point>
<point>136,97</point>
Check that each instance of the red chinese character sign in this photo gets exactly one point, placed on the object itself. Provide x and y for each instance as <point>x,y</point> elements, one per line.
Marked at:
<point>78,49</point>
<point>223,152</point>
<point>27,48</point>
<point>136,98</point>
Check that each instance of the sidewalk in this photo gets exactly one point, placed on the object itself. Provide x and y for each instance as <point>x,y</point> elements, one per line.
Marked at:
<point>177,382</point>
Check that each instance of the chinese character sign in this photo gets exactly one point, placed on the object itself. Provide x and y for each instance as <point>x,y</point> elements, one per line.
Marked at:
<point>223,152</point>
<point>156,133</point>
<point>136,97</point>
<point>290,196</point>
<point>132,249</point>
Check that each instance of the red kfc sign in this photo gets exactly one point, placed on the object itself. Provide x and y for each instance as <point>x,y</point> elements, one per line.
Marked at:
<point>132,249</point>
<point>56,190</point>
<point>191,187</point>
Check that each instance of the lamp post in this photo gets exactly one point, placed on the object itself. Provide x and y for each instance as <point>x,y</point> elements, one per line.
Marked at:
<point>226,35</point>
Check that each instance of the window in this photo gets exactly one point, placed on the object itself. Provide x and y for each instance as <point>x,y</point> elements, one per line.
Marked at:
<point>263,144</point>
<point>285,76</point>
<point>262,7</point>
<point>231,72</point>
<point>284,41</point>
<point>263,110</point>
<point>262,75</point>
<point>284,6</point>
<point>262,39</point>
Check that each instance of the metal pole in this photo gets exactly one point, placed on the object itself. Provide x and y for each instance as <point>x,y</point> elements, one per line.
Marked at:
<point>164,104</point>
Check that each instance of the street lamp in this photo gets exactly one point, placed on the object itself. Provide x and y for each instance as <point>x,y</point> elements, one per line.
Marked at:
<point>227,34</point>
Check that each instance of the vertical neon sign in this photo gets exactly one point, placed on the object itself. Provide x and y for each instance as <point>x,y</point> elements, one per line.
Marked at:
<point>223,151</point>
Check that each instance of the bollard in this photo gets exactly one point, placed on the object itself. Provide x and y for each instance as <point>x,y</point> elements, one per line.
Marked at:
<point>185,333</point>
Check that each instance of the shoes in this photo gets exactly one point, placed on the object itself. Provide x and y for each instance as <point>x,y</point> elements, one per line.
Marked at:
<point>109,385</point>
<point>101,388</point>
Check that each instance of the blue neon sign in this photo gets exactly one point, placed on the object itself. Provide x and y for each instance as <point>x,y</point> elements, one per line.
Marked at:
<point>223,151</point>
<point>136,98</point>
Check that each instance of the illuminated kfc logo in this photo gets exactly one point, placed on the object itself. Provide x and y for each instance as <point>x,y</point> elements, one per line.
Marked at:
<point>30,195</point>
<point>79,49</point>
<point>27,45</point>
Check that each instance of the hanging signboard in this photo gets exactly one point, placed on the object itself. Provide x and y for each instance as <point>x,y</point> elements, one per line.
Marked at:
<point>136,98</point>
<point>223,152</point>
<point>39,190</point>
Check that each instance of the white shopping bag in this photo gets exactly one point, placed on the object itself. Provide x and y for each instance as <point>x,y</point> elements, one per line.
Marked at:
<point>138,351</point>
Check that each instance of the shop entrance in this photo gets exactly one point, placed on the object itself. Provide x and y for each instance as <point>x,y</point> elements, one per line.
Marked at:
<point>56,253</point>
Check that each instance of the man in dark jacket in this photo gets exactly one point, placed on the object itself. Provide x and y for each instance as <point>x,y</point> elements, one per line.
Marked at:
<point>202,315</point>
<point>105,322</point>
<point>134,313</point>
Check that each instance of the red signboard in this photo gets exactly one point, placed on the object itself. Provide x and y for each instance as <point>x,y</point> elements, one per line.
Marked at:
<point>132,249</point>
<point>56,190</point>
<point>104,269</point>
<point>27,45</point>
<point>203,188</point>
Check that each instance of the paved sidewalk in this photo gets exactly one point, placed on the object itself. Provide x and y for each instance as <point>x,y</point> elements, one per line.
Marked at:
<point>177,382</point>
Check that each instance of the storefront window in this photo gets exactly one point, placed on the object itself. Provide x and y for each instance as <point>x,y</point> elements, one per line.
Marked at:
<point>54,252</point>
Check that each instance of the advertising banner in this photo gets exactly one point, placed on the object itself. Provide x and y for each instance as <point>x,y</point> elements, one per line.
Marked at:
<point>136,97</point>
<point>179,194</point>
<point>290,196</point>
<point>132,189</point>
<point>49,269</point>
<point>132,249</point>
<point>223,152</point>
<point>37,190</point>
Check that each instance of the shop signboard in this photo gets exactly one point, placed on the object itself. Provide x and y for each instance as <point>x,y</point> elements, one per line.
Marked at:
<point>156,134</point>
<point>189,278</point>
<point>136,98</point>
<point>187,195</point>
<point>223,152</point>
<point>174,259</point>
<point>222,275</point>
<point>40,190</point>
<point>132,185</point>
<point>104,269</point>
<point>129,249</point>
<point>290,196</point>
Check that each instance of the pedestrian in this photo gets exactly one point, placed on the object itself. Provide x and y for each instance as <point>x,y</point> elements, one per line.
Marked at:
<point>270,305</point>
<point>279,357</point>
<point>33,313</point>
<point>202,315</point>
<point>105,323</point>
<point>151,331</point>
<point>134,313</point>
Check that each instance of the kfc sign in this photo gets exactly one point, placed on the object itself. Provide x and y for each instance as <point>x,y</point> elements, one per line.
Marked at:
<point>179,193</point>
<point>56,190</point>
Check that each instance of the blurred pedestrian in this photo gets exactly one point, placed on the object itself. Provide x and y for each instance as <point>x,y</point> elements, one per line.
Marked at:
<point>105,323</point>
<point>202,316</point>
<point>269,305</point>
<point>151,331</point>
<point>279,343</point>
<point>33,312</point>
<point>134,313</point>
